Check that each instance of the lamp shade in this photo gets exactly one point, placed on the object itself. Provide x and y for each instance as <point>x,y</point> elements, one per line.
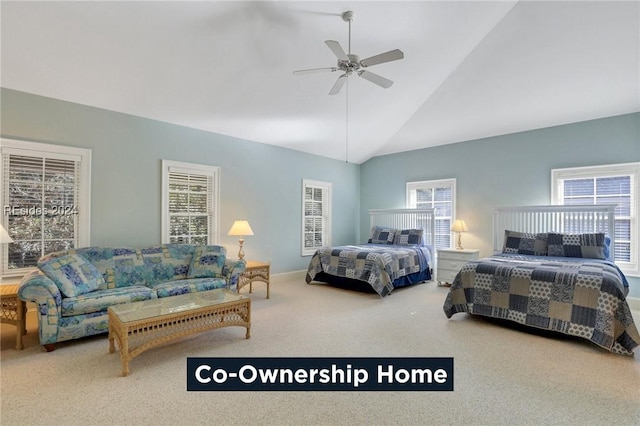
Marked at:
<point>459,226</point>
<point>241,228</point>
<point>4,236</point>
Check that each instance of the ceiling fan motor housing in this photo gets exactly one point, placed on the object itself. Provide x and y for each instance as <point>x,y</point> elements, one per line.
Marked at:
<point>353,64</point>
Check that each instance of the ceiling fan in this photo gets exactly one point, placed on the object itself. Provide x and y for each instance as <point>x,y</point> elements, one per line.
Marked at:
<point>350,63</point>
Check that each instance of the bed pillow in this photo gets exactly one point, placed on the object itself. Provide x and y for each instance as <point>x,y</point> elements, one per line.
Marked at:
<point>525,243</point>
<point>380,235</point>
<point>408,237</point>
<point>73,274</point>
<point>578,245</point>
<point>607,248</point>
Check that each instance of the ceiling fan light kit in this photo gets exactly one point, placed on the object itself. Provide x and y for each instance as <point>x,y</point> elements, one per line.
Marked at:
<point>350,63</point>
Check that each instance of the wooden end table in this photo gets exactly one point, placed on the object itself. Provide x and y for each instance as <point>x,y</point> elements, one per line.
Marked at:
<point>140,326</point>
<point>13,311</point>
<point>255,271</point>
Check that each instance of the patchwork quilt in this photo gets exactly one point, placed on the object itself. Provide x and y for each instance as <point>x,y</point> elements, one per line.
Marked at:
<point>583,298</point>
<point>378,265</point>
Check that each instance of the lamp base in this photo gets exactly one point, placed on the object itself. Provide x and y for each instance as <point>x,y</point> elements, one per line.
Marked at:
<point>459,246</point>
<point>241,251</point>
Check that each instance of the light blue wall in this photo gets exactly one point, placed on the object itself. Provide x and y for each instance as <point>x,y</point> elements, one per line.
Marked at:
<point>509,170</point>
<point>260,183</point>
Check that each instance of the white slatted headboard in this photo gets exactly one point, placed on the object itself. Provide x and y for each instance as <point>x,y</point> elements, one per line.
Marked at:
<point>562,219</point>
<point>406,219</point>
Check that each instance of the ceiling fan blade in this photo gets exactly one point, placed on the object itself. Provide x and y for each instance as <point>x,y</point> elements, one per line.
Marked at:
<point>392,55</point>
<point>337,49</point>
<point>338,84</point>
<point>375,78</point>
<point>314,70</point>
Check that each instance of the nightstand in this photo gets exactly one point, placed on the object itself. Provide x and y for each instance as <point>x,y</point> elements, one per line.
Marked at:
<point>255,271</point>
<point>450,261</point>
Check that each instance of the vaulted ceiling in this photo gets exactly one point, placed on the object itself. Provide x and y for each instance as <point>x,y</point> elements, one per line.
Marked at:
<point>471,69</point>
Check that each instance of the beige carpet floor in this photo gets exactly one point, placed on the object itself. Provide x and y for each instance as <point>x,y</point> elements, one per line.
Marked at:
<point>503,375</point>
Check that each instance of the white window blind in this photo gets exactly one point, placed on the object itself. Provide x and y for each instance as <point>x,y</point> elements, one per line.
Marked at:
<point>439,195</point>
<point>316,216</point>
<point>609,184</point>
<point>44,205</point>
<point>190,200</point>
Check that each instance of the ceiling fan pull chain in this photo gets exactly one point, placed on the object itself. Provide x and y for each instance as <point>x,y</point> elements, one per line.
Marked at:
<point>346,153</point>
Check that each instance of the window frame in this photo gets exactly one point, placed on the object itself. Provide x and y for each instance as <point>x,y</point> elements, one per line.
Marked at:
<point>326,215</point>
<point>82,229</point>
<point>214,208</point>
<point>608,170</point>
<point>411,201</point>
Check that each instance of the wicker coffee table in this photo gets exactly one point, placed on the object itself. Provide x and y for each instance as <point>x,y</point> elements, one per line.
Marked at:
<point>140,326</point>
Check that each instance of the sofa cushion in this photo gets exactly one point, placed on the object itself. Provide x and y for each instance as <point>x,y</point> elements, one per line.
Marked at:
<point>147,274</point>
<point>207,262</point>
<point>177,257</point>
<point>102,259</point>
<point>189,285</point>
<point>100,300</point>
<point>73,274</point>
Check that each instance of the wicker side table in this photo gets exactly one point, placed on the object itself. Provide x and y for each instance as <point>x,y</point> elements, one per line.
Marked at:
<point>255,271</point>
<point>13,311</point>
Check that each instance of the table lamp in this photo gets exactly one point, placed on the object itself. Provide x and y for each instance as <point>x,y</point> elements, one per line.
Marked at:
<point>459,226</point>
<point>4,236</point>
<point>240,228</point>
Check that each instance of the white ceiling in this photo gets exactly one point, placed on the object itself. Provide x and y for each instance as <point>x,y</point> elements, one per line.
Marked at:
<point>471,69</point>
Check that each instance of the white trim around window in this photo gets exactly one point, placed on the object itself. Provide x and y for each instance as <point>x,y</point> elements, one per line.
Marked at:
<point>589,193</point>
<point>316,215</point>
<point>184,181</point>
<point>81,208</point>
<point>445,209</point>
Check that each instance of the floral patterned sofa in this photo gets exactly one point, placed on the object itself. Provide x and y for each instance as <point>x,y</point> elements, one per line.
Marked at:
<point>73,289</point>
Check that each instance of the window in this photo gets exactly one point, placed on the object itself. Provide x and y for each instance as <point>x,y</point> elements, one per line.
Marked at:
<point>316,216</point>
<point>611,184</point>
<point>45,201</point>
<point>190,203</point>
<point>439,195</point>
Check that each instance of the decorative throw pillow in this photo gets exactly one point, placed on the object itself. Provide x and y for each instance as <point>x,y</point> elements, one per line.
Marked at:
<point>73,274</point>
<point>207,262</point>
<point>578,245</point>
<point>525,243</point>
<point>380,235</point>
<point>408,237</point>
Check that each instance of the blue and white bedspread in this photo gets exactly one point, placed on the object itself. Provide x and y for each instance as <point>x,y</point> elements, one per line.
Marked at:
<point>377,264</point>
<point>578,297</point>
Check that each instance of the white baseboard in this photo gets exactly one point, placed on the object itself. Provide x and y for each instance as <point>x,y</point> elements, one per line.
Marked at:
<point>286,276</point>
<point>634,303</point>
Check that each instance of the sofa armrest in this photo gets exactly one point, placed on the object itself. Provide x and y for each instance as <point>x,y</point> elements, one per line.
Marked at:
<point>38,288</point>
<point>232,271</point>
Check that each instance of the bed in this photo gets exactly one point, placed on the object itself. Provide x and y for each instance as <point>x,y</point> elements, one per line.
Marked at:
<point>551,270</point>
<point>398,253</point>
